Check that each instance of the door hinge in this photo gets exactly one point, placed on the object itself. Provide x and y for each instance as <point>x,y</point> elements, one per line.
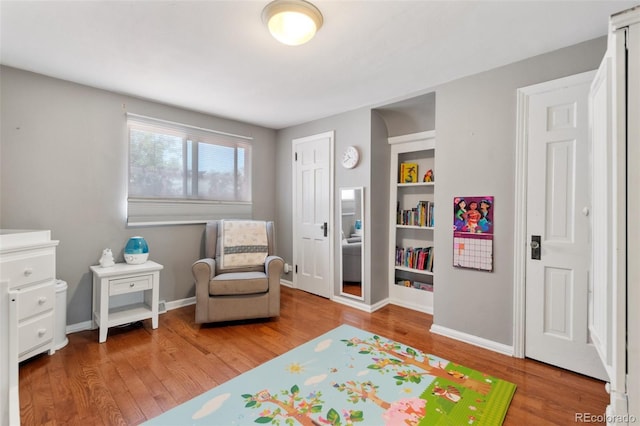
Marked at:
<point>296,156</point>
<point>296,269</point>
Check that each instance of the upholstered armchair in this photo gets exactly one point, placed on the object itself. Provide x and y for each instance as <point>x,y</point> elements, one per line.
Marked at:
<point>239,278</point>
<point>352,260</point>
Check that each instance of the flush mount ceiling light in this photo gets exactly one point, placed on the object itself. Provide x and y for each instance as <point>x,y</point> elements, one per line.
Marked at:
<point>292,22</point>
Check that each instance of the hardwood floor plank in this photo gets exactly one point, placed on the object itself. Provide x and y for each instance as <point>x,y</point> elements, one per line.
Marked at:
<point>138,373</point>
<point>128,406</point>
<point>101,399</point>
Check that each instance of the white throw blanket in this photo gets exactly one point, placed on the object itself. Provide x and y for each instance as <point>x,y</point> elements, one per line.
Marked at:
<point>244,243</point>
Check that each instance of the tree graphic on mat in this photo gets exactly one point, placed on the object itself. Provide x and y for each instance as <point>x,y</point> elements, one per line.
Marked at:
<point>407,411</point>
<point>402,361</point>
<point>293,407</point>
<point>361,391</point>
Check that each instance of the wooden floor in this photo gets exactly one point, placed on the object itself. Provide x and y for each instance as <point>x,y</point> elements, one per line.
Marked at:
<point>138,373</point>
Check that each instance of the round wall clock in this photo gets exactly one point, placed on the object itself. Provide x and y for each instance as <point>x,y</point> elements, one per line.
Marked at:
<point>350,157</point>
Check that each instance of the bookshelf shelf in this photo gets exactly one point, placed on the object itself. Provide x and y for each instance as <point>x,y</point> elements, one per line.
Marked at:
<point>415,184</point>
<point>411,215</point>
<point>413,270</point>
<point>425,228</point>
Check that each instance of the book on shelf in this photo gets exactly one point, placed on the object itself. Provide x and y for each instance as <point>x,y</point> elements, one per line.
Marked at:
<point>423,286</point>
<point>420,258</point>
<point>415,284</point>
<point>421,215</point>
<point>408,172</point>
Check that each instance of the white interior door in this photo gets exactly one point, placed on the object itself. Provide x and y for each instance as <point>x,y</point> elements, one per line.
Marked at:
<point>313,226</point>
<point>614,112</point>
<point>558,228</point>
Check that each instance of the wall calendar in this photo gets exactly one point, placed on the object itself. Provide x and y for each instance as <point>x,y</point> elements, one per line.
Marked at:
<point>473,232</point>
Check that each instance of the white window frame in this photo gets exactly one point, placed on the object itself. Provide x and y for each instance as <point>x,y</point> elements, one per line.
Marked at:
<point>143,211</point>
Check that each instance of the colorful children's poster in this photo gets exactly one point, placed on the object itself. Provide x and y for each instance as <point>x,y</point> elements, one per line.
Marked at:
<point>473,232</point>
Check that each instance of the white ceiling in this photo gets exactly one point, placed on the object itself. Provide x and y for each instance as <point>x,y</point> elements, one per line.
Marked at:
<point>217,57</point>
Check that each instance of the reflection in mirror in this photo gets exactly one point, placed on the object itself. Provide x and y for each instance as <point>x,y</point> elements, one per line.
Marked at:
<point>351,248</point>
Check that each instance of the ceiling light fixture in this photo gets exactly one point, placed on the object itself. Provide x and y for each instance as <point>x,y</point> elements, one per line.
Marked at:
<point>292,22</point>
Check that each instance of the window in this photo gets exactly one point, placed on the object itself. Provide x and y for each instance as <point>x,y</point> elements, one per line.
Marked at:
<point>184,174</point>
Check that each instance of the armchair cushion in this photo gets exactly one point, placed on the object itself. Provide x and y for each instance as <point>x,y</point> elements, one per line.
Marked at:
<point>237,283</point>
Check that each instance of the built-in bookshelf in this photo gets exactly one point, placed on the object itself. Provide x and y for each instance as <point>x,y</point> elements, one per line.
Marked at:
<point>413,178</point>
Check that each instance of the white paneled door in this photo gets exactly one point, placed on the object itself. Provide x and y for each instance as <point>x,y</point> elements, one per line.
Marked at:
<point>558,227</point>
<point>312,213</point>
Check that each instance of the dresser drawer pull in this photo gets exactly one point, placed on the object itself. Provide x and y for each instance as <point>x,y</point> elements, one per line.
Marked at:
<point>132,285</point>
<point>42,332</point>
<point>28,272</point>
<point>42,300</point>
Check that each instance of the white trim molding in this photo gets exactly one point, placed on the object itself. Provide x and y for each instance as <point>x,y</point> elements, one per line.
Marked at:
<point>520,216</point>
<point>472,340</point>
<point>352,303</point>
<point>286,283</point>
<point>416,306</point>
<point>175,304</point>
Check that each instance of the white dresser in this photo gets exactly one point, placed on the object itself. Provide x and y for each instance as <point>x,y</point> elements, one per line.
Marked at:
<point>27,308</point>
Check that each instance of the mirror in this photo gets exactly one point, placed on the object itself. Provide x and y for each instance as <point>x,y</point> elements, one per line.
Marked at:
<point>352,240</point>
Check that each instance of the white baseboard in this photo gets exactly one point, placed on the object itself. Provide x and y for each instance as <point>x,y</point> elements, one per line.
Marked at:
<point>352,303</point>
<point>472,340</point>
<point>81,326</point>
<point>413,306</point>
<point>175,304</point>
<point>286,283</point>
<point>180,303</point>
<point>380,304</point>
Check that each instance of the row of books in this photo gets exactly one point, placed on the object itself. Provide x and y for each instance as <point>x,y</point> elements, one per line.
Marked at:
<point>415,258</point>
<point>421,215</point>
<point>415,284</point>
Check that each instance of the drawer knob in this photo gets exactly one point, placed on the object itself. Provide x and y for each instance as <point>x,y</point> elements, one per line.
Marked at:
<point>28,272</point>
<point>42,300</point>
<point>42,332</point>
<point>132,284</point>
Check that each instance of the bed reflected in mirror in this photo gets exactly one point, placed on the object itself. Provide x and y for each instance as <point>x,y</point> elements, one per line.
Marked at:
<point>351,247</point>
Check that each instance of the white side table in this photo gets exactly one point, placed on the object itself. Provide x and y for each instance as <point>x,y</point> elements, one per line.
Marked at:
<point>119,279</point>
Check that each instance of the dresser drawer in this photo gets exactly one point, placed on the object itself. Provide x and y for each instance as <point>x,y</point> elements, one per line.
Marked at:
<point>34,333</point>
<point>129,285</point>
<point>36,299</point>
<point>28,269</point>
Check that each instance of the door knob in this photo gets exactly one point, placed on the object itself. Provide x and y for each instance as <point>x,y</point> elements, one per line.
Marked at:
<point>535,247</point>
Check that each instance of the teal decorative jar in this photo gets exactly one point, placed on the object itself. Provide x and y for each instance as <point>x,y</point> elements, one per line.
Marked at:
<point>136,251</point>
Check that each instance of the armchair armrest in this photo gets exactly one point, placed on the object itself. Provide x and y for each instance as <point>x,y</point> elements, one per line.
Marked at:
<point>273,265</point>
<point>204,270</point>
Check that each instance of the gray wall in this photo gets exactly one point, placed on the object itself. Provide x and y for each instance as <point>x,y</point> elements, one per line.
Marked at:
<point>351,128</point>
<point>64,168</point>
<point>63,157</point>
<point>475,119</point>
<point>378,191</point>
<point>475,156</point>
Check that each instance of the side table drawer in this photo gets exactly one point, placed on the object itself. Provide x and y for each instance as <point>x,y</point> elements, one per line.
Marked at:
<point>35,300</point>
<point>32,334</point>
<point>129,285</point>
